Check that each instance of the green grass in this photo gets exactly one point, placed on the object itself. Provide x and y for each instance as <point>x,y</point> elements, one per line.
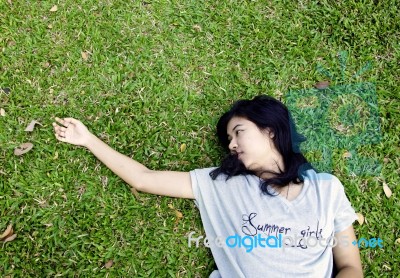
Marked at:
<point>159,74</point>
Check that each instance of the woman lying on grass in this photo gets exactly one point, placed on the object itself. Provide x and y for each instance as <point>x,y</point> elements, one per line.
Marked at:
<point>275,215</point>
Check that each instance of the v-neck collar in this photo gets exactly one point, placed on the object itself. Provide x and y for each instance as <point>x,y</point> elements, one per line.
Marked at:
<point>296,200</point>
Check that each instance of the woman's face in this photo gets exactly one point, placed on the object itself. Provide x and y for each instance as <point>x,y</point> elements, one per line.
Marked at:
<point>255,148</point>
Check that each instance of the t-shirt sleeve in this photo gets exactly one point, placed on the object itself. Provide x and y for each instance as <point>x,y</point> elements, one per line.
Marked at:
<point>195,187</point>
<point>201,183</point>
<point>345,214</point>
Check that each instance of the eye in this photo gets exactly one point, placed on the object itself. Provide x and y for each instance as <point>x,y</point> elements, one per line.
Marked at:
<point>238,131</point>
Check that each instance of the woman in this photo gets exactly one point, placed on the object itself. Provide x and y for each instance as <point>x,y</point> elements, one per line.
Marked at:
<point>275,215</point>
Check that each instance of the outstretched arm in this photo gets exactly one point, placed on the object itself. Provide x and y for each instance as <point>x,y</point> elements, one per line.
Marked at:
<point>167,183</point>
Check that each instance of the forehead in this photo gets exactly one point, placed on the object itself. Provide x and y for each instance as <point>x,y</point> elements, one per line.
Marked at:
<point>237,121</point>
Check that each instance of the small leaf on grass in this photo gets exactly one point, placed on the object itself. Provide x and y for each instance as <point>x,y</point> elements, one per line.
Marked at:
<point>10,238</point>
<point>360,218</point>
<point>387,190</point>
<point>55,155</point>
<point>197,28</point>
<point>347,155</point>
<point>85,55</point>
<point>9,2</point>
<point>2,112</point>
<point>178,215</point>
<point>397,241</point>
<point>322,85</point>
<point>183,147</point>
<point>31,125</point>
<point>54,8</point>
<point>23,148</point>
<point>109,264</point>
<point>7,232</point>
<point>386,160</point>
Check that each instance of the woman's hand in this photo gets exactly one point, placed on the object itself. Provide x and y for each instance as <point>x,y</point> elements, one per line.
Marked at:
<point>167,183</point>
<point>71,131</point>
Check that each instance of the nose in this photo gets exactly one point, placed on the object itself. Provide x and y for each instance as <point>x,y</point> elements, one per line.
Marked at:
<point>232,145</point>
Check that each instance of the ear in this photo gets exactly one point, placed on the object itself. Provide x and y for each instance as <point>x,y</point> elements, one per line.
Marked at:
<point>271,134</point>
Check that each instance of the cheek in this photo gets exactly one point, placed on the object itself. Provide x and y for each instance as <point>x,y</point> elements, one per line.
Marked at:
<point>263,151</point>
<point>262,144</point>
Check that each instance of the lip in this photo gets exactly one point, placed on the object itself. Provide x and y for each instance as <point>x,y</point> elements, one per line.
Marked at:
<point>238,154</point>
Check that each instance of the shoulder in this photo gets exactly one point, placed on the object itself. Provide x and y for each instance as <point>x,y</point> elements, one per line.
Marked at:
<point>203,173</point>
<point>312,175</point>
<point>323,180</point>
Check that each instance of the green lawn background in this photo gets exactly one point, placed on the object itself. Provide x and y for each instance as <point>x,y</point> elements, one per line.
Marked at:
<point>158,74</point>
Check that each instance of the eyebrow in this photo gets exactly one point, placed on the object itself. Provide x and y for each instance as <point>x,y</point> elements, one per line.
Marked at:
<point>233,129</point>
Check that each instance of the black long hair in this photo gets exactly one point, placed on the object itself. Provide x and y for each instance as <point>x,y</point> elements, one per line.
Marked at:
<point>265,112</point>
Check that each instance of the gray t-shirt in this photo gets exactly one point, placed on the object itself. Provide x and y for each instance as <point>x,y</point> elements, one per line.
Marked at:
<point>256,235</point>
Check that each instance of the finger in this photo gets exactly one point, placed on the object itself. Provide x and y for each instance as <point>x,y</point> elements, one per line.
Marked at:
<point>60,138</point>
<point>59,121</point>
<point>62,121</point>
<point>57,128</point>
